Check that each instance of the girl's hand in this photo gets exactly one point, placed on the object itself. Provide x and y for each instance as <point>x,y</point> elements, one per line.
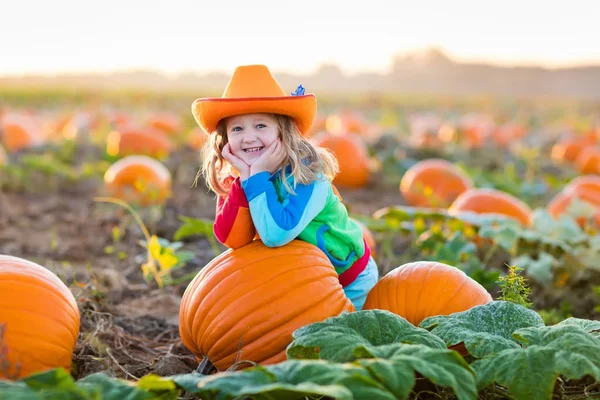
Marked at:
<point>237,163</point>
<point>270,160</point>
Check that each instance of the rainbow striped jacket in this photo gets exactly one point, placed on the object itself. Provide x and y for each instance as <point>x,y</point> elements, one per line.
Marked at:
<point>261,208</point>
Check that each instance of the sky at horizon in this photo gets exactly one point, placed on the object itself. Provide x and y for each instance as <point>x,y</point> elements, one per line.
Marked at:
<point>200,36</point>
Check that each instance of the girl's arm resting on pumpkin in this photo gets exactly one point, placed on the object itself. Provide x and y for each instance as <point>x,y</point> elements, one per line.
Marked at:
<point>233,225</point>
<point>277,223</point>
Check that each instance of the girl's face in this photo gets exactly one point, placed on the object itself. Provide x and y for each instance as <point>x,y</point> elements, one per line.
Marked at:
<point>249,135</point>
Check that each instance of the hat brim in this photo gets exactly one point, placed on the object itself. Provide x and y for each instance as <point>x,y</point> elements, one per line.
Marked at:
<point>209,111</point>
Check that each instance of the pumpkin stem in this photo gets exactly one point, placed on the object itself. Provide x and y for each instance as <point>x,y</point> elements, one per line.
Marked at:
<point>206,367</point>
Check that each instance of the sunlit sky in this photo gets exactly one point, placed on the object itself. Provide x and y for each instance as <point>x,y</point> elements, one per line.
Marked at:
<point>174,36</point>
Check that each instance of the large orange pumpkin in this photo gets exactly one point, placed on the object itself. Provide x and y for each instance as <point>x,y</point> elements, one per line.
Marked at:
<point>422,289</point>
<point>143,141</point>
<point>245,304</point>
<point>39,319</point>
<point>138,179</point>
<point>352,156</point>
<point>588,160</point>
<point>491,201</point>
<point>433,183</point>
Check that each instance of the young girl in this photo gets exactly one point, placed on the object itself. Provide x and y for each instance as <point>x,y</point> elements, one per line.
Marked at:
<point>273,185</point>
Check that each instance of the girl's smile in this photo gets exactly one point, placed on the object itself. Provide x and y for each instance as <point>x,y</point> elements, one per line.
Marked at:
<point>249,135</point>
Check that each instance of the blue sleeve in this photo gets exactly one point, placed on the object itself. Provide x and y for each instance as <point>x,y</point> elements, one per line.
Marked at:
<point>280,223</point>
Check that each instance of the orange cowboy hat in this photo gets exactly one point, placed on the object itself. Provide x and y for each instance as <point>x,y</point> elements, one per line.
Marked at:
<point>252,89</point>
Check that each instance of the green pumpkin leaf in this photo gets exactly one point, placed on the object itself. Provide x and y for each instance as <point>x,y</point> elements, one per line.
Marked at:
<point>531,372</point>
<point>585,324</point>
<point>294,379</point>
<point>444,368</point>
<point>485,329</point>
<point>352,335</point>
<point>375,378</point>
<point>58,384</point>
<point>539,269</point>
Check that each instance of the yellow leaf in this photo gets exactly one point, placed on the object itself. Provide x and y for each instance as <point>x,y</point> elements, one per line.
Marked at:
<point>419,224</point>
<point>469,232</point>
<point>436,229</point>
<point>154,247</point>
<point>167,260</point>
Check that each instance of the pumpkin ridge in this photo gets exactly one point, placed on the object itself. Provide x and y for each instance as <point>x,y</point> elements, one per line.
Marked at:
<point>291,317</point>
<point>265,304</point>
<point>41,316</point>
<point>33,339</point>
<point>223,282</point>
<point>457,289</point>
<point>24,357</point>
<point>422,288</point>
<point>39,287</point>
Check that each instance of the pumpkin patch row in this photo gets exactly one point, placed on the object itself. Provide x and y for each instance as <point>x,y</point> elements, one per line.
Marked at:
<point>244,305</point>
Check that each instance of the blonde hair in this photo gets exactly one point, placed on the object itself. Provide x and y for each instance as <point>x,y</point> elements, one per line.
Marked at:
<point>297,147</point>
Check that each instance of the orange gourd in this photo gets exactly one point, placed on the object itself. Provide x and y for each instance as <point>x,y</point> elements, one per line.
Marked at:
<point>138,179</point>
<point>422,289</point>
<point>39,319</point>
<point>352,157</point>
<point>588,160</point>
<point>253,298</point>
<point>142,141</point>
<point>433,183</point>
<point>491,201</point>
<point>20,132</point>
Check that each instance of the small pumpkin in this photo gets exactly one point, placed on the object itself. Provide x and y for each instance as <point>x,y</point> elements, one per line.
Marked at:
<point>588,160</point>
<point>245,304</point>
<point>39,319</point>
<point>139,141</point>
<point>491,201</point>
<point>138,179</point>
<point>433,183</point>
<point>422,289</point>
<point>346,122</point>
<point>567,150</point>
<point>589,182</point>
<point>197,138</point>
<point>20,132</point>
<point>352,156</point>
<point>168,123</point>
<point>559,204</point>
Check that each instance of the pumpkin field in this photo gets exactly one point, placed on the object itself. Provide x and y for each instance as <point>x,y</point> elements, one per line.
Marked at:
<point>481,213</point>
